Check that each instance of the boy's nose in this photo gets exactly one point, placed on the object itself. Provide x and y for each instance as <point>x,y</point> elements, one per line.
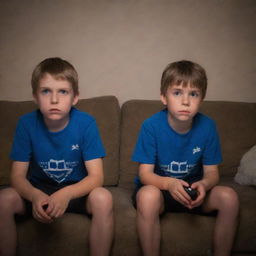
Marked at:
<point>185,99</point>
<point>54,98</point>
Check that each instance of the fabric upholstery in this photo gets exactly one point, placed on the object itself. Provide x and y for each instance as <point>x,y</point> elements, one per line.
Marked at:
<point>182,234</point>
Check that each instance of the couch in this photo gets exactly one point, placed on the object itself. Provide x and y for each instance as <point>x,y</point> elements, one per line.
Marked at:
<point>182,234</point>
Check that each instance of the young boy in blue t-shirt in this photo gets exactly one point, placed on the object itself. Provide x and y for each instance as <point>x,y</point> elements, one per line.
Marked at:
<point>57,161</point>
<point>179,148</point>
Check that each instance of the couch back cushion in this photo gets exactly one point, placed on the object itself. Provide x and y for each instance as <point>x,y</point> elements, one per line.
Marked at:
<point>236,122</point>
<point>106,111</point>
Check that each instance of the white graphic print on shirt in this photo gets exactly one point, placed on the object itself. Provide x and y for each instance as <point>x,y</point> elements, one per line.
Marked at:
<point>58,170</point>
<point>177,169</point>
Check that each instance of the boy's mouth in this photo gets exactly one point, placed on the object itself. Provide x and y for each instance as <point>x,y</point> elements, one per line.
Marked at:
<point>54,110</point>
<point>185,112</point>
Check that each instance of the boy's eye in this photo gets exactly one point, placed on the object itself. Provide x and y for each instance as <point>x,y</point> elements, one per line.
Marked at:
<point>177,93</point>
<point>64,92</point>
<point>195,94</point>
<point>45,91</point>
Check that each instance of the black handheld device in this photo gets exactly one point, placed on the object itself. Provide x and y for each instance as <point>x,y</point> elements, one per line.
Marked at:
<point>192,192</point>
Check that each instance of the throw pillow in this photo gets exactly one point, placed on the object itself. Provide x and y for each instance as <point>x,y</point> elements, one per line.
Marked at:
<point>246,174</point>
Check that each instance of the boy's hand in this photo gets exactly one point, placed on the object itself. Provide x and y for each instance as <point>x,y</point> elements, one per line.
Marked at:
<point>39,200</point>
<point>178,193</point>
<point>58,203</point>
<point>201,193</point>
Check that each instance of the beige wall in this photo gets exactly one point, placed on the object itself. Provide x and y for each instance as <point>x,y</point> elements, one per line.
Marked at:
<point>120,47</point>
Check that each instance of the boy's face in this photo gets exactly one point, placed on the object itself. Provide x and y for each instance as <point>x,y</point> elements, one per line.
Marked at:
<point>55,99</point>
<point>182,102</point>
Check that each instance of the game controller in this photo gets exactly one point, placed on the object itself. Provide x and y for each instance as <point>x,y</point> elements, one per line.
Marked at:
<point>192,192</point>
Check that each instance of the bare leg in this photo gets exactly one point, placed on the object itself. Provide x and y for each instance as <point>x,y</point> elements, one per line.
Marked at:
<point>100,205</point>
<point>149,206</point>
<point>10,204</point>
<point>225,200</point>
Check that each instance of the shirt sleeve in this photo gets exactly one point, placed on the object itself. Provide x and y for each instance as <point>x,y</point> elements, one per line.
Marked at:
<point>21,148</point>
<point>92,145</point>
<point>212,154</point>
<point>145,149</point>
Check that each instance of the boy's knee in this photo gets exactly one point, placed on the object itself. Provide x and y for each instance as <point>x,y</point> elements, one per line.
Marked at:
<point>148,197</point>
<point>228,197</point>
<point>9,200</point>
<point>101,198</point>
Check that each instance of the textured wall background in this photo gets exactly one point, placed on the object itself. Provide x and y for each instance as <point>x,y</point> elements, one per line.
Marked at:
<point>121,47</point>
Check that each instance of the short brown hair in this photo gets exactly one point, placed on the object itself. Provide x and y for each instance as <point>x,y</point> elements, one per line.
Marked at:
<point>59,69</point>
<point>184,72</point>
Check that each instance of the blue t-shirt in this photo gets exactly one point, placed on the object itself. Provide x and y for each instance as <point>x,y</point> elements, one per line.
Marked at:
<point>57,157</point>
<point>180,156</point>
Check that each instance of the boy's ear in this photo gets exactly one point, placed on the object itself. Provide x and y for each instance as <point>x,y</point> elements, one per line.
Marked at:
<point>35,98</point>
<point>75,100</point>
<point>163,99</point>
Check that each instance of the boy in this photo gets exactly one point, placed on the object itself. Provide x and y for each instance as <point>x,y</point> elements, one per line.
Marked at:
<point>178,148</point>
<point>57,161</point>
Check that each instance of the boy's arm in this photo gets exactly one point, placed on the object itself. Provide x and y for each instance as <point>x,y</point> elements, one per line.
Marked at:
<point>19,180</point>
<point>26,190</point>
<point>210,179</point>
<point>92,180</point>
<point>211,176</point>
<point>174,186</point>
<point>59,200</point>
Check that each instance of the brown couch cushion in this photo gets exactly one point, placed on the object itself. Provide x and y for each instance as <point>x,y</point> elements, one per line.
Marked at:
<point>107,112</point>
<point>236,122</point>
<point>134,112</point>
<point>105,109</point>
<point>9,115</point>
